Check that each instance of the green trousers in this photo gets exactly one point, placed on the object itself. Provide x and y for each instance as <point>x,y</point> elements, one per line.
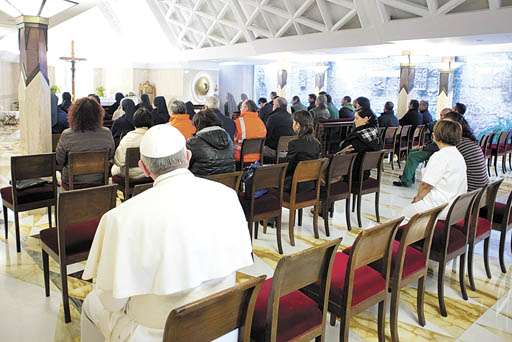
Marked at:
<point>414,159</point>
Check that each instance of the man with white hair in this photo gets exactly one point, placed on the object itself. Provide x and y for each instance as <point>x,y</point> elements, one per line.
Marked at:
<point>228,124</point>
<point>154,253</point>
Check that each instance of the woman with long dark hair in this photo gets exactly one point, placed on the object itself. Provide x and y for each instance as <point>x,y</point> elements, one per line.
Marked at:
<point>85,133</point>
<point>305,147</point>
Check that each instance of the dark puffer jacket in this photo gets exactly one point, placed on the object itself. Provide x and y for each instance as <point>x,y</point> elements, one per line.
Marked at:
<point>212,152</point>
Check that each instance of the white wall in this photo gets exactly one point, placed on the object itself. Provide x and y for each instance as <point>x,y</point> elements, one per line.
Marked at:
<point>9,77</point>
<point>236,79</point>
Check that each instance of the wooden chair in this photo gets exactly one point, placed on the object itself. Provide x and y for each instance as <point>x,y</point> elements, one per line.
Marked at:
<point>488,152</point>
<point>409,264</point>
<point>124,182</point>
<point>251,147</point>
<point>508,151</point>
<point>78,215</point>
<point>306,171</point>
<point>480,226</point>
<point>216,315</point>
<point>282,148</point>
<point>270,204</point>
<point>55,141</point>
<point>87,163</point>
<point>389,141</point>
<point>138,189</point>
<point>43,195</point>
<point>338,186</point>
<point>370,161</point>
<point>283,313</point>
<point>402,146</point>
<point>483,142</point>
<point>500,150</point>
<point>230,179</point>
<point>356,286</point>
<point>415,142</point>
<point>449,243</point>
<point>502,222</point>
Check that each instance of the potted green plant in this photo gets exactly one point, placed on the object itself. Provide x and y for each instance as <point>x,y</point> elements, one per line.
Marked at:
<point>100,91</point>
<point>55,89</point>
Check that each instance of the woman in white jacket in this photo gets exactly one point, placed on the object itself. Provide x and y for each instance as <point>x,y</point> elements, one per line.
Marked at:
<point>142,122</point>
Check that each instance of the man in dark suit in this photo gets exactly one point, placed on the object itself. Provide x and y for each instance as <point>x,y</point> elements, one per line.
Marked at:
<point>279,124</point>
<point>388,117</point>
<point>268,108</point>
<point>427,117</point>
<point>311,101</point>
<point>413,116</point>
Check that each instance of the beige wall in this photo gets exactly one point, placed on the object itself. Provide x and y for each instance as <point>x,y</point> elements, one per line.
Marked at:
<point>9,77</point>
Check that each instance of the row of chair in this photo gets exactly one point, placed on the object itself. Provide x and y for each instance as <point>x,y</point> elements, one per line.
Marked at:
<point>495,145</point>
<point>401,140</point>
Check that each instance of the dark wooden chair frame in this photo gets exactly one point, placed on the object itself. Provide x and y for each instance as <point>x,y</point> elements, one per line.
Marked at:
<point>229,179</point>
<point>282,147</point>
<point>29,167</point>
<point>214,316</point>
<point>402,146</point>
<point>251,146</point>
<point>488,152</point>
<point>131,160</point>
<point>500,151</point>
<point>503,227</point>
<point>87,163</point>
<point>391,133</point>
<point>419,228</point>
<point>74,206</point>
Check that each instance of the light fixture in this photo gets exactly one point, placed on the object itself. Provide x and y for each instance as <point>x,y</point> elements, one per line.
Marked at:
<point>42,8</point>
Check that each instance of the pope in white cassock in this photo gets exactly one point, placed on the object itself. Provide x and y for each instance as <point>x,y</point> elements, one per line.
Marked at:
<point>175,243</point>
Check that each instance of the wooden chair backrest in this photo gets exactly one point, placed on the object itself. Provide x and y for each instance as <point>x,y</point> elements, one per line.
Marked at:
<point>269,176</point>
<point>502,139</point>
<point>417,131</point>
<point>483,141</point>
<point>340,165</point>
<point>488,147</point>
<point>78,206</point>
<point>140,188</point>
<point>282,146</point>
<point>30,167</point>
<point>252,146</point>
<point>389,136</point>
<point>230,179</point>
<point>486,198</point>
<point>132,158</point>
<point>461,208</point>
<point>88,163</point>
<point>404,132</point>
<point>420,226</point>
<point>372,244</point>
<point>296,271</point>
<point>308,170</point>
<point>214,316</point>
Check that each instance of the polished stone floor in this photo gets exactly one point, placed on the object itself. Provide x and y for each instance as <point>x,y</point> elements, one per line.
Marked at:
<point>487,316</point>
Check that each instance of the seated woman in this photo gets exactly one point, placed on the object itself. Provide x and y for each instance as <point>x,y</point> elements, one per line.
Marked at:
<point>142,122</point>
<point>472,153</point>
<point>305,147</point>
<point>211,147</point>
<point>86,134</point>
<point>160,114</point>
<point>124,124</point>
<point>365,137</point>
<point>444,178</point>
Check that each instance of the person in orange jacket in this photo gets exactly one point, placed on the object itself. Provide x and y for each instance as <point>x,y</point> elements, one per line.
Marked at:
<point>248,126</point>
<point>180,119</point>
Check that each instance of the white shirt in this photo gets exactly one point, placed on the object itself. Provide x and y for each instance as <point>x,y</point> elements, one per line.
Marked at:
<point>131,139</point>
<point>178,241</point>
<point>446,173</point>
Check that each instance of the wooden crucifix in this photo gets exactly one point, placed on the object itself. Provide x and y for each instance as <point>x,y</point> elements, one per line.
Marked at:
<point>73,59</point>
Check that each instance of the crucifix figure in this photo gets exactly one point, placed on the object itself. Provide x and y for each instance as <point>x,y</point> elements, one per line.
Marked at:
<point>73,60</point>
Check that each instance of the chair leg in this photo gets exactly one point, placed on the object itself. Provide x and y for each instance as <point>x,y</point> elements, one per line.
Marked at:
<point>265,224</point>
<point>300,218</point>
<point>291,226</point>
<point>49,216</point>
<point>496,165</point>
<point>381,324</point>
<point>359,210</point>
<point>462,266</point>
<point>377,197</point>
<point>510,161</point>
<point>393,312</point>
<point>325,214</point>
<point>332,320</point>
<point>420,300</point>
<point>278,235</point>
<point>486,257</point>
<point>6,225</point>
<point>440,288</point>
<point>503,237</point>
<point>503,164</point>
<point>249,226</point>
<point>331,211</point>
<point>315,221</point>
<point>256,227</point>
<point>470,267</point>
<point>347,213</point>
<point>46,273</point>
<point>17,230</point>
<point>344,326</point>
<point>391,157</point>
<point>489,161</point>
<point>65,297</point>
<point>354,199</point>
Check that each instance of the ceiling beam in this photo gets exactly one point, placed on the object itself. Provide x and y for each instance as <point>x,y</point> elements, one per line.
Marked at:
<point>432,6</point>
<point>450,5</point>
<point>324,12</point>
<point>160,17</point>
<point>408,7</point>
<point>72,12</point>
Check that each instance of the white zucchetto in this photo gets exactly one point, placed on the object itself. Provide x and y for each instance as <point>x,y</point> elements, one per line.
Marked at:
<point>162,141</point>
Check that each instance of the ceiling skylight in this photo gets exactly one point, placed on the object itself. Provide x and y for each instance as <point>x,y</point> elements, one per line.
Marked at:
<point>43,8</point>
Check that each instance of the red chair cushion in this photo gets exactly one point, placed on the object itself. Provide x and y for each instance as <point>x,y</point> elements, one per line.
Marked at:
<point>133,181</point>
<point>266,203</point>
<point>414,259</point>
<point>483,226</point>
<point>501,149</point>
<point>32,194</point>
<point>456,240</point>
<point>302,196</point>
<point>367,281</point>
<point>79,237</point>
<point>297,314</point>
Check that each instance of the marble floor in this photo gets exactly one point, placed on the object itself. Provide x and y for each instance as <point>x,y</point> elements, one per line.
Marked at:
<point>30,316</point>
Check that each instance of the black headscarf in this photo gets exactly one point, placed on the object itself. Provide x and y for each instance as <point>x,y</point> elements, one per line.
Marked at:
<point>190,109</point>
<point>66,101</point>
<point>160,114</point>
<point>129,109</point>
<point>160,105</point>
<point>145,102</point>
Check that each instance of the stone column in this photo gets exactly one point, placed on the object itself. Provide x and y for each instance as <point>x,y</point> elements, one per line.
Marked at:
<point>34,89</point>
<point>282,79</point>
<point>406,84</point>
<point>445,94</point>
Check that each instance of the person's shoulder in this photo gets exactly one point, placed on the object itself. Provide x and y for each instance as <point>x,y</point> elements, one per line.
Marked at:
<point>66,132</point>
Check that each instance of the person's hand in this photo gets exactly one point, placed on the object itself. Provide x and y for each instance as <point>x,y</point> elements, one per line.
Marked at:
<point>348,149</point>
<point>416,199</point>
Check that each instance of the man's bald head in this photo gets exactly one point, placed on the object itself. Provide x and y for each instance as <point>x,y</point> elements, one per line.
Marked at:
<point>444,112</point>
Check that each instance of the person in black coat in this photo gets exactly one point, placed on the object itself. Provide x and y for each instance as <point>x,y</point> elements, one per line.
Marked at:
<point>228,124</point>
<point>388,117</point>
<point>124,124</point>
<point>160,114</point>
<point>268,108</point>
<point>413,116</point>
<point>365,137</point>
<point>346,111</point>
<point>305,147</point>
<point>279,124</point>
<point>66,101</point>
<point>311,101</point>
<point>109,112</point>
<point>145,102</point>
<point>211,147</point>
